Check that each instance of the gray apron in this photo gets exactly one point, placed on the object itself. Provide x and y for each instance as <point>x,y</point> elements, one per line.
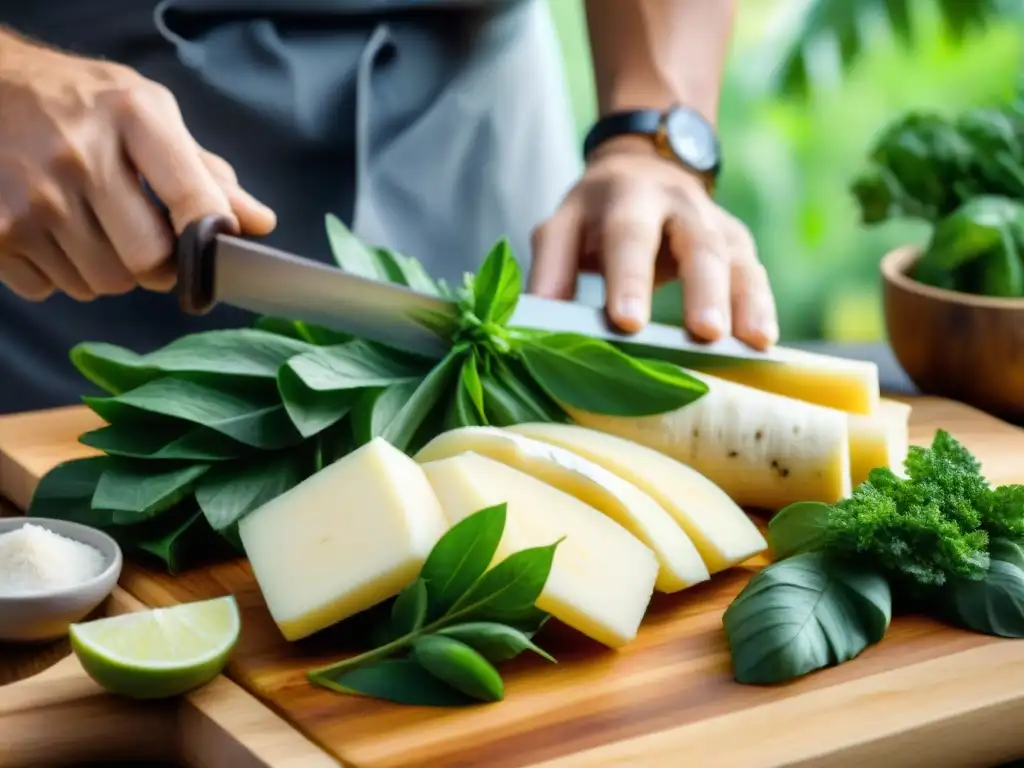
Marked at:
<point>432,128</point>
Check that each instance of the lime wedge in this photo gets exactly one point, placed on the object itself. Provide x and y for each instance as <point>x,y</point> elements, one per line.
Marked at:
<point>161,652</point>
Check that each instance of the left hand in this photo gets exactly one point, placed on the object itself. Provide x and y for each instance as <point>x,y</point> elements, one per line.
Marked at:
<point>642,220</point>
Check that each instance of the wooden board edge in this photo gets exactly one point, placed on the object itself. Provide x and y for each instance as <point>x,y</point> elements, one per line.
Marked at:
<point>977,689</point>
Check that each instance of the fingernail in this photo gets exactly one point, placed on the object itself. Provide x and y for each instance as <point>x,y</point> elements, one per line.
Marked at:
<point>632,310</point>
<point>713,319</point>
<point>770,329</point>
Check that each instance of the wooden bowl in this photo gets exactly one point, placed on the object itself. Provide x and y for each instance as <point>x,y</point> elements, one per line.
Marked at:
<point>956,345</point>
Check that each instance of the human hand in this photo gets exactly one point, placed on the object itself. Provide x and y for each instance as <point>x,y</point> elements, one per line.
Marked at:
<point>641,220</point>
<point>76,136</point>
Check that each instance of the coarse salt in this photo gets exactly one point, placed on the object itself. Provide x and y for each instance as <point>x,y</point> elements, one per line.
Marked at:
<point>35,559</point>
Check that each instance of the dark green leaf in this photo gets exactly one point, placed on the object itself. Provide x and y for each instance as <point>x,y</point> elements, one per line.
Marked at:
<point>798,528</point>
<point>309,410</point>
<point>296,329</point>
<point>802,614</point>
<point>409,610</point>
<point>508,589</point>
<point>66,491</point>
<point>175,543</point>
<point>230,491</point>
<point>461,556</point>
<point>407,271</point>
<point>402,681</point>
<point>135,490</point>
<point>512,397</point>
<point>594,376</point>
<point>462,411</point>
<point>111,368</point>
<point>257,422</point>
<point>470,381</point>
<point>993,604</point>
<point>166,441</point>
<point>458,665</point>
<point>496,286</point>
<point>495,642</point>
<point>377,408</point>
<point>356,365</point>
<point>402,428</point>
<point>350,253</point>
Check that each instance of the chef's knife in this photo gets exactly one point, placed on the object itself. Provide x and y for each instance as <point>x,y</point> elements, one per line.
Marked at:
<point>215,267</point>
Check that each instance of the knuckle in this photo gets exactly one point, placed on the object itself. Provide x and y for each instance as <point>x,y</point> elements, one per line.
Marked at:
<point>141,98</point>
<point>48,205</point>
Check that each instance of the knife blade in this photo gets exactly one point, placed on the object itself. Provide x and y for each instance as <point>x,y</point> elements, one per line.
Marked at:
<point>215,267</point>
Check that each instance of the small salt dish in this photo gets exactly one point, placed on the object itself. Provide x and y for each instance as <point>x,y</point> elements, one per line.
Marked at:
<point>45,616</point>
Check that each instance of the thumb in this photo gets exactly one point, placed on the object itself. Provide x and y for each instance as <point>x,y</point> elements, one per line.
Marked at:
<point>254,218</point>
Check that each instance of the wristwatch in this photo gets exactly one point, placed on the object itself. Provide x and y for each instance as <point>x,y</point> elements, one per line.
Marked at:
<point>679,133</point>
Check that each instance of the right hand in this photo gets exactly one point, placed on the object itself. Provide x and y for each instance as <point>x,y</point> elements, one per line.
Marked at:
<point>76,136</point>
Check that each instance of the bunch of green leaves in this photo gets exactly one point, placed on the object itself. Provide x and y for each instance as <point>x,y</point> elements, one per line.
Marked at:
<point>211,426</point>
<point>965,176</point>
<point>941,538</point>
<point>449,627</point>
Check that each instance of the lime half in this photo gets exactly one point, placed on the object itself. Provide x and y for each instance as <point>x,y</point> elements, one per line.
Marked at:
<point>160,652</point>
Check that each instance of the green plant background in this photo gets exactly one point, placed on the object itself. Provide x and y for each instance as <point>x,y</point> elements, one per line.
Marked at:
<point>789,162</point>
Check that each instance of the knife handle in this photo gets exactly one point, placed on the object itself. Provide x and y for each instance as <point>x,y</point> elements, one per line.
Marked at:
<point>195,253</point>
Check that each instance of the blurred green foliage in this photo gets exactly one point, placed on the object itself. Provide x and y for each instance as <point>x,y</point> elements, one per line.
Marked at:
<point>789,163</point>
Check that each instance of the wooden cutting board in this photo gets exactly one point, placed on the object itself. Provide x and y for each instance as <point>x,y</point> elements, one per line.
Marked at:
<point>926,695</point>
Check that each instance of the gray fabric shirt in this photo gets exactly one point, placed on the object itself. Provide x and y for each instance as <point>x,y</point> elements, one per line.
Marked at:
<point>430,127</point>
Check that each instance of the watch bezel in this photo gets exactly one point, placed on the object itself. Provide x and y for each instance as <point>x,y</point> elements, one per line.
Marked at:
<point>706,162</point>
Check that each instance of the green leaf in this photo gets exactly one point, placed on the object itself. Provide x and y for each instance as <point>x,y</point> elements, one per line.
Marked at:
<point>458,665</point>
<point>409,611</point>
<point>350,253</point>
<point>169,441</point>
<point>594,376</point>
<point>406,271</point>
<point>993,604</point>
<point>508,589</point>
<point>174,543</point>
<point>309,410</point>
<point>296,329</point>
<point>470,381</point>
<point>495,642</point>
<point>402,681</point>
<point>253,421</point>
<point>356,365</point>
<point>230,491</point>
<point>66,491</point>
<point>512,398</point>
<point>496,285</point>
<point>111,368</point>
<point>377,408</point>
<point>136,490</point>
<point>461,556</point>
<point>802,614</point>
<point>798,528</point>
<point>462,411</point>
<point>402,428</point>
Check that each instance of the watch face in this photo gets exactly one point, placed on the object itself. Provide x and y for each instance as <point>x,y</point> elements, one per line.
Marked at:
<point>692,139</point>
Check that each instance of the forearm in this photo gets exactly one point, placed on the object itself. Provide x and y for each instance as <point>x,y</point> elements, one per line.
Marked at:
<point>655,53</point>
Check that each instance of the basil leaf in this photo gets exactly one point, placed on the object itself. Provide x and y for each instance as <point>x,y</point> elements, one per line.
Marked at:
<point>495,642</point>
<point>296,329</point>
<point>355,365</point>
<point>111,368</point>
<point>470,381</point>
<point>525,401</point>
<point>350,253</point>
<point>309,410</point>
<point>228,492</point>
<point>377,408</point>
<point>403,428</point>
<point>802,614</point>
<point>407,271</point>
<point>798,528</point>
<point>134,491</point>
<point>993,604</point>
<point>458,665</point>
<point>462,411</point>
<point>461,556</point>
<point>496,285</point>
<point>66,491</point>
<point>171,441</point>
<point>594,376</point>
<point>508,589</point>
<point>409,610</point>
<point>402,681</point>
<point>257,422</point>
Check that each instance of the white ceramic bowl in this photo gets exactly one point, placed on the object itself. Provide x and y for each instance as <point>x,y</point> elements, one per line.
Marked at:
<point>47,615</point>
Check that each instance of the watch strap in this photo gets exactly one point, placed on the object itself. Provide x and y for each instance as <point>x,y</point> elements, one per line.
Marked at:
<point>641,121</point>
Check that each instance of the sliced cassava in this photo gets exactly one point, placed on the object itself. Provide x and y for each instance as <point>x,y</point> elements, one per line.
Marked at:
<point>879,440</point>
<point>835,382</point>
<point>722,533</point>
<point>680,565</point>
<point>763,449</point>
